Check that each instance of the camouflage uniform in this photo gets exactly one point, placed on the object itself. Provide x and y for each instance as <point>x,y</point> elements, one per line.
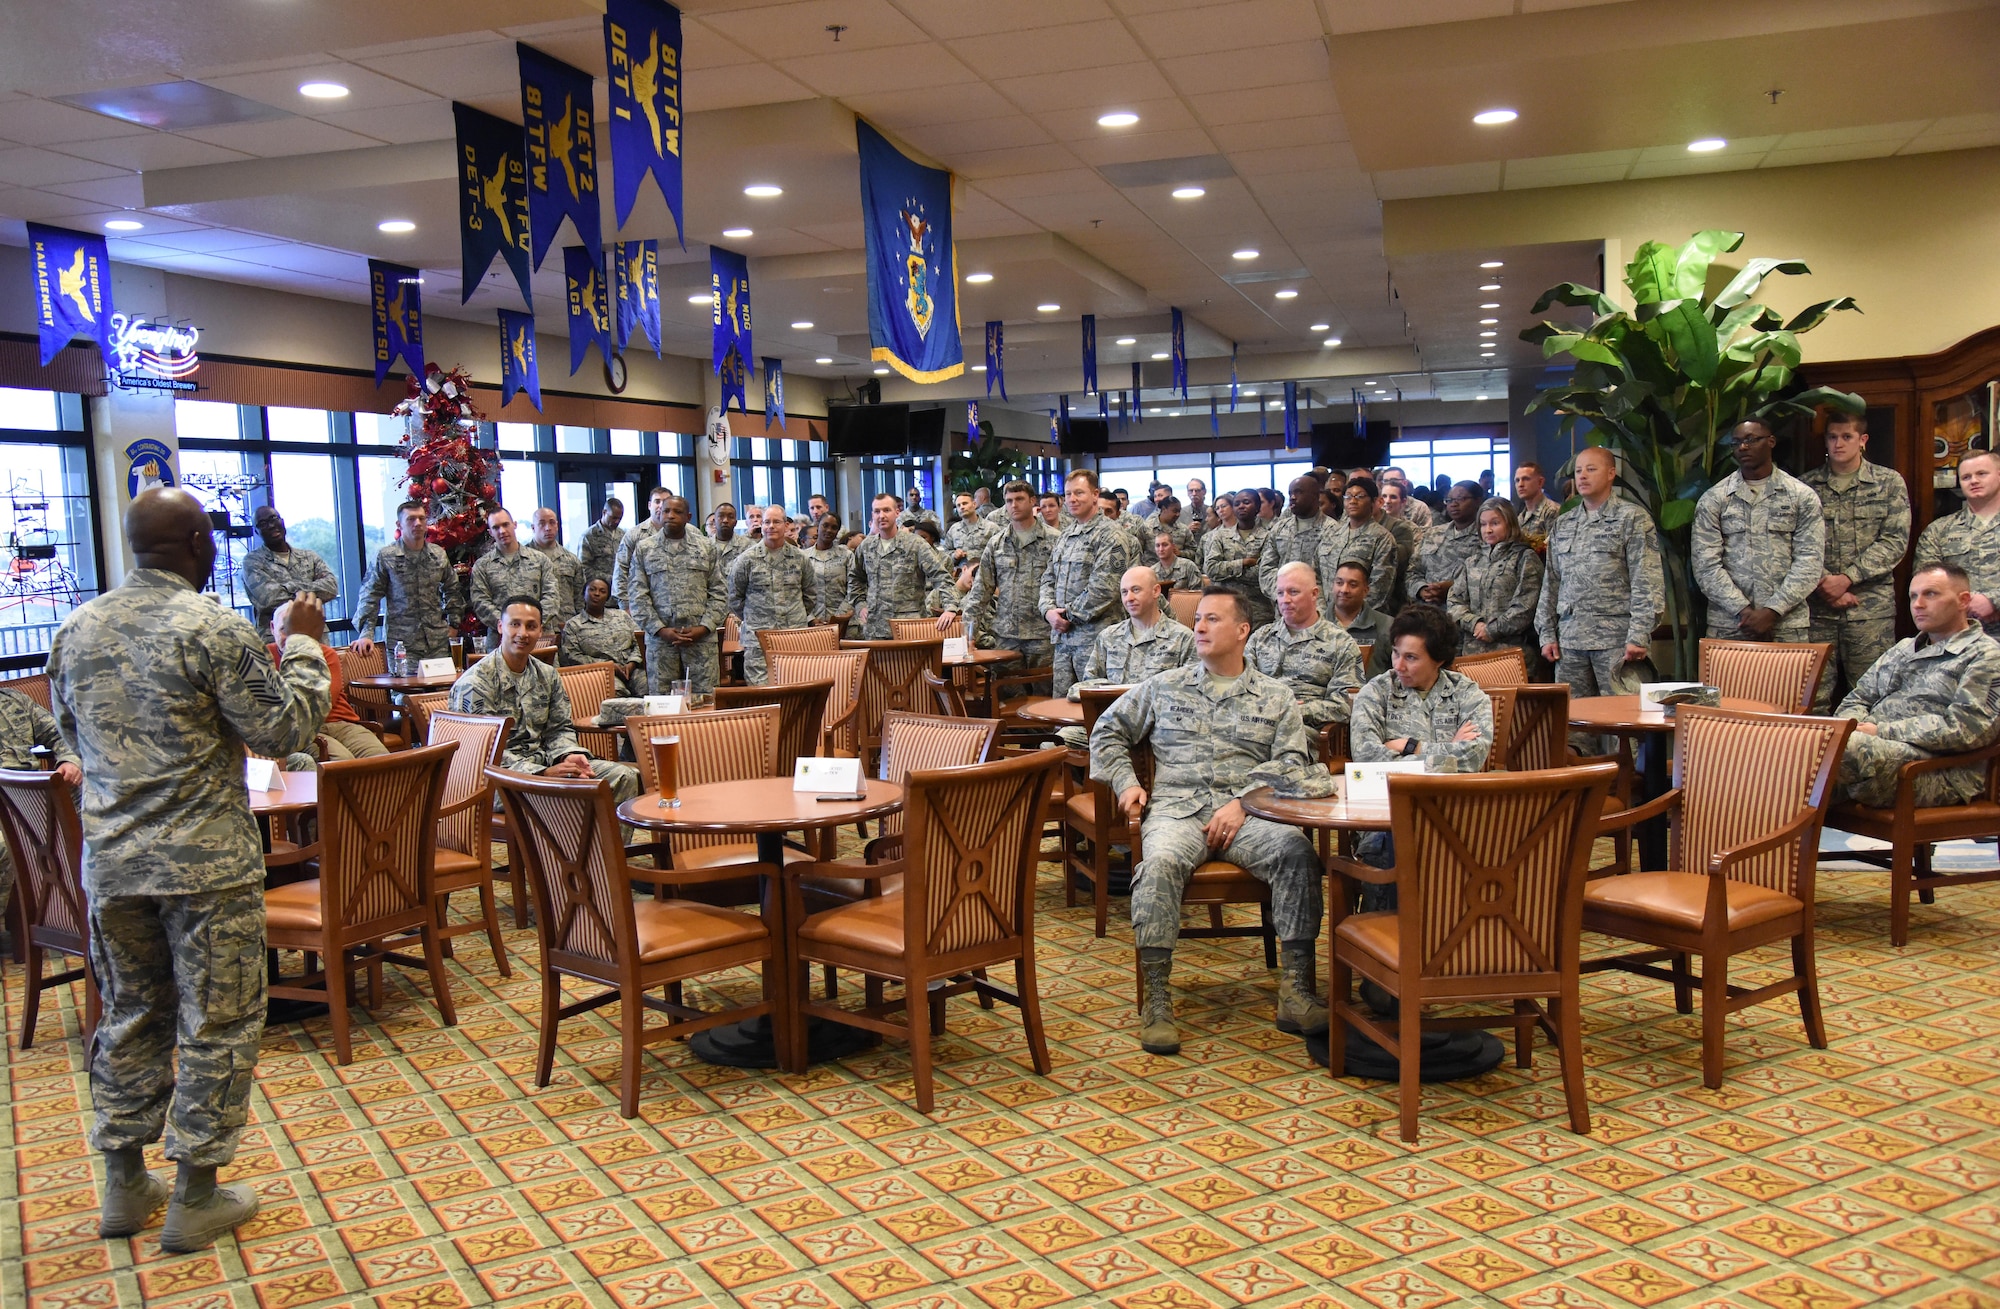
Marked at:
<point>1929,698</point>
<point>24,725</point>
<point>1001,604</point>
<point>897,577</point>
<point>613,638</point>
<point>1320,663</point>
<point>1405,536</point>
<point>1370,628</point>
<point>422,591</point>
<point>1371,544</point>
<point>1416,513</point>
<point>1766,551</point>
<point>1222,554</point>
<point>771,589</point>
<point>621,568</point>
<point>911,517</point>
<point>1499,586</point>
<point>1123,655</point>
<point>1183,576</point>
<point>1973,544</point>
<point>969,535</point>
<point>497,576</point>
<point>1293,540</point>
<point>1538,521</point>
<point>1213,741</point>
<point>835,565</point>
<point>1386,709</point>
<point>733,549</point>
<point>543,735</point>
<point>1601,591</point>
<point>679,584</point>
<point>1441,554</point>
<point>1082,580</point>
<point>599,554</point>
<point>1183,539</point>
<point>1867,535</point>
<point>1140,532</point>
<point>271,579</point>
<point>161,689</point>
<point>568,572</point>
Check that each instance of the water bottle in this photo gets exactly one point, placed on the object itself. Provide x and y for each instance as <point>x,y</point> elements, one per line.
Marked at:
<point>402,660</point>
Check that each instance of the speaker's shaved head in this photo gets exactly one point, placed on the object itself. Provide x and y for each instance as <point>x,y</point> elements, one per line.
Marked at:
<point>168,529</point>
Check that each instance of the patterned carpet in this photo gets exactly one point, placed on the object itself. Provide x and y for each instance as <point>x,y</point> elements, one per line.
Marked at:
<point>430,1173</point>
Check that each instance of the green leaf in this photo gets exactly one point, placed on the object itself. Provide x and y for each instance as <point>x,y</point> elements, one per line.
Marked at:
<point>1690,338</point>
<point>1749,315</point>
<point>1745,284</point>
<point>1651,275</point>
<point>1813,315</point>
<point>1543,331</point>
<point>1595,351</point>
<point>1574,294</point>
<point>1676,514</point>
<point>1691,261</point>
<point>1557,342</point>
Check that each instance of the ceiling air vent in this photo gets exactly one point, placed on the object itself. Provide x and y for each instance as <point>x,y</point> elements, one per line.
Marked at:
<point>173,106</point>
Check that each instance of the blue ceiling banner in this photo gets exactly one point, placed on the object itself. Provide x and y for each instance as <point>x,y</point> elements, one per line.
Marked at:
<point>1089,353</point>
<point>735,382</point>
<point>635,266</point>
<point>1232,377</point>
<point>589,305</point>
<point>1124,410</point>
<point>519,369</point>
<point>1263,417</point>
<point>1104,404</point>
<point>1180,355</point>
<point>557,119</point>
<point>1214,423</point>
<point>729,284</point>
<point>1360,411</point>
<point>1138,395</point>
<point>398,310</point>
<point>972,422</point>
<point>492,199</point>
<point>774,393</point>
<point>642,52</point>
<point>996,358</point>
<point>1055,428</point>
<point>912,263</point>
<point>73,289</point>
<point>1291,415</point>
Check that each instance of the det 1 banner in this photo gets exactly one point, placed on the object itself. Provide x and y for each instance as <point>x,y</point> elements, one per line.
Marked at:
<point>398,308</point>
<point>774,393</point>
<point>642,51</point>
<point>589,306</point>
<point>912,264</point>
<point>492,199</point>
<point>73,290</point>
<point>557,122</point>
<point>519,369</point>
<point>637,268</point>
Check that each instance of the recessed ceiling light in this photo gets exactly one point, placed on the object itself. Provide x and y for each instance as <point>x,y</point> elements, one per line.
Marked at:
<point>1708,145</point>
<point>824,359</point>
<point>738,233</point>
<point>979,368</point>
<point>1154,412</point>
<point>1478,397</point>
<point>1189,192</point>
<point>1494,117</point>
<point>1494,305</point>
<point>1120,118</point>
<point>395,225</point>
<point>1128,340</point>
<point>705,298</point>
<point>1162,355</point>
<point>1249,395</point>
<point>1490,286</point>
<point>1319,327</point>
<point>1488,322</point>
<point>1173,413</point>
<point>1332,341</point>
<point>323,91</point>
<point>1489,333</point>
<point>763,191</point>
<point>803,325</point>
<point>123,225</point>
<point>979,279</point>
<point>1245,254</point>
<point>881,372</point>
<point>1288,294</point>
<point>1047,308</point>
<point>1492,263</point>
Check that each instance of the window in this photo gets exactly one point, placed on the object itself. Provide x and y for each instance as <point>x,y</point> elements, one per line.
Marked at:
<point>380,429</point>
<point>895,475</point>
<point>773,469</point>
<point>1459,453</point>
<point>50,562</point>
<point>299,424</point>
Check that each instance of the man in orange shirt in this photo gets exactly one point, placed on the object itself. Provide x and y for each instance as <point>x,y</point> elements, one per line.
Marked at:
<point>345,735</point>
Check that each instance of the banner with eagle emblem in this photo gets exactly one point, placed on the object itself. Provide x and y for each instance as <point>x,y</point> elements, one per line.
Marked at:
<point>398,308</point>
<point>996,357</point>
<point>558,125</point>
<point>636,265</point>
<point>72,289</point>
<point>588,302</point>
<point>519,370</point>
<point>729,283</point>
<point>492,198</point>
<point>912,264</point>
<point>774,393</point>
<point>642,50</point>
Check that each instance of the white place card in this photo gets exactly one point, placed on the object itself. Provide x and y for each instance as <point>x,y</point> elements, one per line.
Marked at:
<point>263,775</point>
<point>827,776</point>
<point>437,667</point>
<point>955,651</point>
<point>663,704</point>
<point>1369,783</point>
<point>1650,693</point>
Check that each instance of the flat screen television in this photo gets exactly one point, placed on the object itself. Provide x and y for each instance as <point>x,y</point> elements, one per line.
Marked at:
<point>867,429</point>
<point>926,431</point>
<point>1335,445</point>
<point>1084,436</point>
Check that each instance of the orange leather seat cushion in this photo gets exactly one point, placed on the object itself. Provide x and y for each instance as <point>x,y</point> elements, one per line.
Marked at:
<point>456,863</point>
<point>674,929</point>
<point>706,858</point>
<point>1978,814</point>
<point>1375,935</point>
<point>293,906</point>
<point>875,925</point>
<point>1681,899</point>
<point>1214,874</point>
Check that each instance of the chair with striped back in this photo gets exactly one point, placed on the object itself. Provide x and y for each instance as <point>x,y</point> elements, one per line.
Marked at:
<point>1508,667</point>
<point>464,859</point>
<point>1490,873</point>
<point>588,686</point>
<point>801,710</point>
<point>1782,674</point>
<point>377,708</point>
<point>1530,729</point>
<point>924,629</point>
<point>894,681</point>
<point>945,694</point>
<point>1750,795</point>
<point>39,820</point>
<point>33,685</point>
<point>1183,604</point>
<point>420,705</point>
<point>970,845</point>
<point>824,639</point>
<point>847,670</point>
<point>726,745</point>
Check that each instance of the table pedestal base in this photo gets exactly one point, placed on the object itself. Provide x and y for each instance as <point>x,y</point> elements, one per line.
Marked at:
<point>1443,1057</point>
<point>1117,882</point>
<point>748,1044</point>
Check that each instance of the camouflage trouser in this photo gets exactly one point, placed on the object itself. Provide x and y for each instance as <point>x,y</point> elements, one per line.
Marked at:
<point>178,973</point>
<point>351,741</point>
<point>1274,853</point>
<point>1857,643</point>
<point>700,663</point>
<point>1070,654</point>
<point>1868,775</point>
<point>1600,672</point>
<point>624,779</point>
<point>1791,627</point>
<point>415,643</point>
<point>1035,652</point>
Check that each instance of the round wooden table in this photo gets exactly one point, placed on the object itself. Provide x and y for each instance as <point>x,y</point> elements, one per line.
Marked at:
<point>984,665</point>
<point>1620,715</point>
<point>767,808</point>
<point>1056,711</point>
<point>300,794</point>
<point>404,685</point>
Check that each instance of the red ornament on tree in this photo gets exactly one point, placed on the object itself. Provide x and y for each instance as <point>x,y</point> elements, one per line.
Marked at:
<point>447,468</point>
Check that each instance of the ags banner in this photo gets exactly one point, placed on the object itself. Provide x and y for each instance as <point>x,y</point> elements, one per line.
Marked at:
<point>912,263</point>
<point>73,290</point>
<point>492,199</point>
<point>642,50</point>
<point>589,305</point>
<point>637,265</point>
<point>557,123</point>
<point>398,307</point>
<point>519,369</point>
<point>729,283</point>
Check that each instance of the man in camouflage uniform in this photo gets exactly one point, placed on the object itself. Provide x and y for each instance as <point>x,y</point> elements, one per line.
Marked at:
<point>601,540</point>
<point>23,726</point>
<point>1937,693</point>
<point>1405,504</point>
<point>1147,642</point>
<point>1295,537</point>
<point>896,574</point>
<point>508,570</point>
<point>773,585</point>
<point>1307,651</point>
<point>1759,545</point>
<point>730,544</point>
<point>566,567</point>
<point>1080,590</point>
<point>1970,538</point>
<point>1137,529</point>
<point>417,579</point>
<point>679,600</point>
<point>1218,728</point>
<point>834,563</point>
<point>1536,511</point>
<point>1196,518</point>
<point>1445,546</point>
<point>512,683</point>
<point>161,689</point>
<point>1352,614</point>
<point>277,570</point>
<point>1230,553</point>
<point>1176,573</point>
<point>1866,509</point>
<point>1359,538</point>
<point>603,635</point>
<point>916,513</point>
<point>1011,566</point>
<point>967,535</point>
<point>649,527</point>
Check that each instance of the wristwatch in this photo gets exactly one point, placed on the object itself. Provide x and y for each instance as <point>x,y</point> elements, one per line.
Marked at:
<point>1410,745</point>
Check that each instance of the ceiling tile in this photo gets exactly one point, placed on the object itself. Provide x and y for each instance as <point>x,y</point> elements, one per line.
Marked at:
<point>1113,150</point>
<point>282,136</point>
<point>1382,15</point>
<point>366,88</point>
<point>1929,143</point>
<point>456,72</point>
<point>124,192</point>
<point>1691,164</point>
<point>1112,87</point>
<point>43,122</point>
<point>981,164</point>
<point>1829,154</point>
<point>949,19</point>
<point>154,150</point>
<point>1254,104</point>
<point>1451,179</point>
<point>1080,123</point>
<point>28,166</point>
<point>703,47</point>
<point>900,109</point>
<point>793,31</point>
<point>1058,181</point>
<point>950,139</point>
<point>38,206</point>
<point>1230,71</point>
<point>1570,163</point>
<point>1963,123</point>
<point>1517,181</point>
<point>211,240</point>
<point>1170,34</point>
<point>1334,157</point>
<point>1893,132</point>
<point>1736,149</point>
<point>742,85</point>
<point>1310,129</point>
<point>1071,48</point>
<point>405,124</point>
<point>846,74</point>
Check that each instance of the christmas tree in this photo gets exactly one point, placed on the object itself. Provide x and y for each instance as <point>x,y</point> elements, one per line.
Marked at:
<point>449,471</point>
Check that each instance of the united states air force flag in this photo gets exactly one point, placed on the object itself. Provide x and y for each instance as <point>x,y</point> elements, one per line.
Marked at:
<point>774,393</point>
<point>492,198</point>
<point>557,122</point>
<point>73,289</point>
<point>589,305</point>
<point>642,50</point>
<point>637,266</point>
<point>519,370</point>
<point>399,317</point>
<point>729,283</point>
<point>996,357</point>
<point>912,264</point>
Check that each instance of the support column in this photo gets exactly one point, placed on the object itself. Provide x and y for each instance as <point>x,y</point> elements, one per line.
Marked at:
<point>133,435</point>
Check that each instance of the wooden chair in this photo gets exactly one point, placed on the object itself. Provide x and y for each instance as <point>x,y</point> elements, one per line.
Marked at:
<point>591,928</point>
<point>1912,830</point>
<point>39,820</point>
<point>377,883</point>
<point>970,843</point>
<point>924,629</point>
<point>950,701</point>
<point>848,671</point>
<point>1782,674</point>
<point>727,745</point>
<point>824,639</point>
<point>33,685</point>
<point>589,686</point>
<point>464,859</point>
<point>420,706</point>
<point>377,708</point>
<point>801,713</point>
<point>1183,604</point>
<point>1530,729</point>
<point>1508,667</point>
<point>1489,876</point>
<point>1215,884</point>
<point>1092,823</point>
<point>1750,795</point>
<point>894,681</point>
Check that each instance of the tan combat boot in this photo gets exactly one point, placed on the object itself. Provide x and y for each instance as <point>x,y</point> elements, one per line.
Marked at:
<point>1157,1033</point>
<point>1300,1012</point>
